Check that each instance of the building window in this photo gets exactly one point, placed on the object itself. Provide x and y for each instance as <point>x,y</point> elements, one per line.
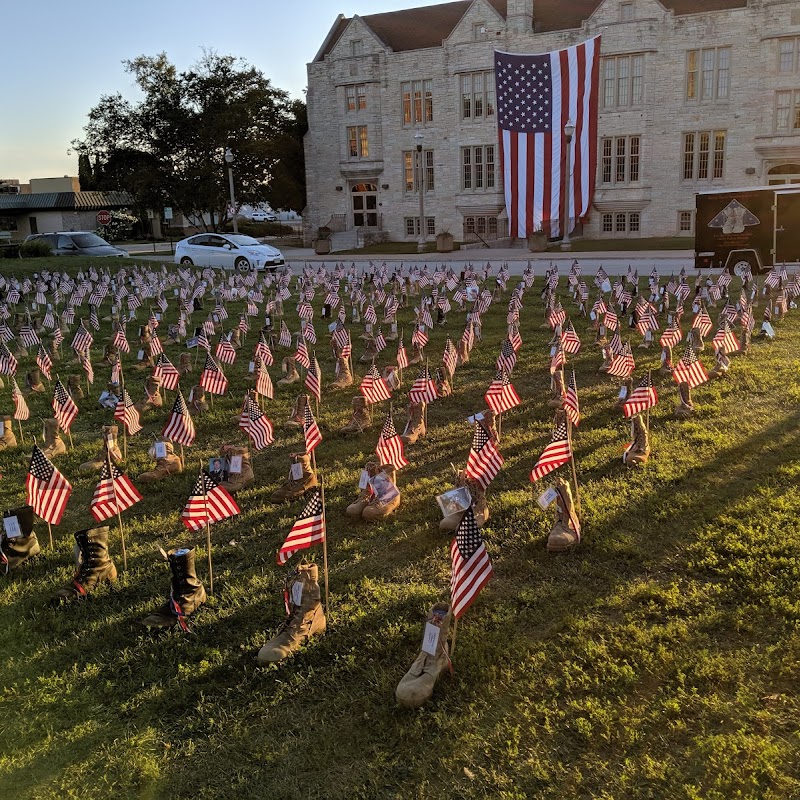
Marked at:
<point>477,95</point>
<point>621,222</point>
<point>478,168</point>
<point>483,226</point>
<point>357,47</point>
<point>412,226</point>
<point>708,74</point>
<point>685,222</point>
<point>625,12</point>
<point>355,97</point>
<point>703,155</point>
<point>787,111</point>
<point>620,160</point>
<point>623,81</point>
<point>789,56</point>
<point>417,102</point>
<point>411,170</point>
<point>358,142</point>
<point>480,33</point>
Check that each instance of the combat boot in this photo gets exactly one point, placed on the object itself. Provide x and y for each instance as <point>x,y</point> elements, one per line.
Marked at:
<point>696,340</point>
<point>8,439</point>
<point>186,595</point>
<point>607,359</point>
<point>53,443</point>
<point>356,509</point>
<point>443,387</point>
<point>292,487</point>
<point>566,532</point>
<point>290,374</point>
<point>416,686</point>
<point>557,391</point>
<point>33,380</point>
<point>13,552</point>
<point>386,495</point>
<point>236,481</point>
<point>110,439</point>
<point>721,366</point>
<point>392,377</point>
<point>480,508</point>
<point>110,354</point>
<point>298,415</point>
<point>638,451</point>
<point>152,395</point>
<point>360,420</point>
<point>625,390</point>
<point>417,356</point>
<point>462,353</point>
<point>74,387</point>
<point>415,425</point>
<point>666,360</point>
<point>236,339</point>
<point>93,565</point>
<point>685,406</point>
<point>371,353</point>
<point>168,464</point>
<point>198,401</point>
<point>305,615</point>
<point>344,377</point>
<point>185,364</point>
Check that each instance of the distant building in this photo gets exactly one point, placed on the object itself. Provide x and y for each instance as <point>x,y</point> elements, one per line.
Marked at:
<point>694,94</point>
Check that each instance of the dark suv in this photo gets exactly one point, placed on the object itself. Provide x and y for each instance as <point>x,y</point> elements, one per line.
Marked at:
<point>78,243</point>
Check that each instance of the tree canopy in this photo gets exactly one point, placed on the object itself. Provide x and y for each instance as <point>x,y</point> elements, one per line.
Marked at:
<point>168,148</point>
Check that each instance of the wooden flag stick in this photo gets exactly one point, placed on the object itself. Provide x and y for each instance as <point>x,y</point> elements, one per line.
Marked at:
<point>648,410</point>
<point>116,505</point>
<point>453,638</point>
<point>324,546</point>
<point>50,532</point>
<point>574,472</point>
<point>21,437</point>
<point>208,537</point>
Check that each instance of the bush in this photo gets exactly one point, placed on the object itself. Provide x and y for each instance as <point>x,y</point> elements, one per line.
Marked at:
<point>35,248</point>
<point>260,229</point>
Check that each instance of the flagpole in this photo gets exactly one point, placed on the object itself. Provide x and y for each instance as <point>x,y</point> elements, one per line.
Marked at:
<point>425,409</point>
<point>116,505</point>
<point>453,640</point>
<point>124,419</point>
<point>650,381</point>
<point>208,534</point>
<point>324,544</point>
<point>572,462</point>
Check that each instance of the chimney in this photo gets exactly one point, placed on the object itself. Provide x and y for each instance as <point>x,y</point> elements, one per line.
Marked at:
<point>519,16</point>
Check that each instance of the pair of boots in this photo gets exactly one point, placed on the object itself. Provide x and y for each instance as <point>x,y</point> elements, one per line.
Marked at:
<point>14,552</point>
<point>380,497</point>
<point>480,507</point>
<point>110,433</point>
<point>33,380</point>
<point>290,373</point>
<point>638,451</point>
<point>360,420</point>
<point>8,439</point>
<point>415,424</point>
<point>344,377</point>
<point>152,395</point>
<point>297,417</point>
<point>53,443</point>
<point>294,487</point>
<point>237,481</point>
<point>167,464</point>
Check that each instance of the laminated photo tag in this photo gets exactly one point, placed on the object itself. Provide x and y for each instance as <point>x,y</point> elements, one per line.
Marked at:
<point>592,315</point>
<point>768,329</point>
<point>34,306</point>
<point>216,468</point>
<point>363,481</point>
<point>191,342</point>
<point>191,394</point>
<point>267,322</point>
<point>158,316</point>
<point>235,465</point>
<point>546,498</point>
<point>474,418</point>
<point>368,327</point>
<point>297,471</point>
<point>394,327</point>
<point>332,327</point>
<point>663,356</point>
<point>606,285</point>
<point>251,367</point>
<point>161,449</point>
<point>175,292</point>
<point>454,501</point>
<point>552,351</point>
<point>297,592</point>
<point>623,392</point>
<point>430,639</point>
<point>140,355</point>
<point>695,308</point>
<point>11,527</point>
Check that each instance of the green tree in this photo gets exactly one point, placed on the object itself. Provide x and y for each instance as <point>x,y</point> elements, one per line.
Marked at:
<point>168,149</point>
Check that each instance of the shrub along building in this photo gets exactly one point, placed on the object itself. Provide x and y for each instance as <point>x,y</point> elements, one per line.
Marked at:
<point>693,95</point>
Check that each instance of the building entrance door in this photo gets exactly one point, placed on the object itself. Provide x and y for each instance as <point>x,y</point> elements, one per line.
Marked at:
<point>365,205</point>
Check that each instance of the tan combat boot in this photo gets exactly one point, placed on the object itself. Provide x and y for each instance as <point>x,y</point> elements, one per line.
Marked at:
<point>185,364</point>
<point>298,414</point>
<point>480,508</point>
<point>416,686</point>
<point>33,380</point>
<point>344,377</point>
<point>53,443</point>
<point>625,390</point>
<point>721,365</point>
<point>110,438</point>
<point>685,406</point>
<point>8,439</point>
<point>306,616</point>
<point>386,496</point>
<point>168,464</point>
<point>110,354</point>
<point>443,387</point>
<point>566,532</point>
<point>638,451</point>
<point>607,359</point>
<point>371,353</point>
<point>236,481</point>
<point>360,420</point>
<point>462,353</point>
<point>356,509</point>
<point>417,356</point>
<point>292,487</point>
<point>415,425</point>
<point>666,360</point>
<point>392,377</point>
<point>696,340</point>
<point>199,401</point>
<point>557,390</point>
<point>152,395</point>
<point>74,387</point>
<point>290,374</point>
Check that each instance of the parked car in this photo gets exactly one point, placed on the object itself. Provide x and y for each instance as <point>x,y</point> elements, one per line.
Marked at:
<point>264,216</point>
<point>227,251</point>
<point>79,243</point>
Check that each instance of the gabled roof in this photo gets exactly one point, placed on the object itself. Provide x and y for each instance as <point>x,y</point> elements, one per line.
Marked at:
<point>429,26</point>
<point>65,201</point>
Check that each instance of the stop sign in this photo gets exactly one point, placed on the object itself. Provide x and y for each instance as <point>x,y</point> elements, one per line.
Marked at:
<point>103,217</point>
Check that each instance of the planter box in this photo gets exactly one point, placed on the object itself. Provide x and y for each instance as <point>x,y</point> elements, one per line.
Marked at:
<point>537,243</point>
<point>322,246</point>
<point>444,242</point>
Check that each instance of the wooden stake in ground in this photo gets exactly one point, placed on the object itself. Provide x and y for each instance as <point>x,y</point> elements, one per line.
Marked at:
<point>574,472</point>
<point>453,638</point>
<point>324,545</point>
<point>116,505</point>
<point>50,532</point>
<point>208,536</point>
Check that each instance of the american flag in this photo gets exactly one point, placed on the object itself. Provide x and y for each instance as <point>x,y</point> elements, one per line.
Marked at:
<point>28,335</point>
<point>558,359</point>
<point>87,365</point>
<point>390,446</point>
<point>47,489</point>
<point>82,340</point>
<point>380,341</point>
<point>402,356</point>
<point>341,336</point>
<point>370,316</point>
<point>611,320</point>
<point>8,364</point>
<point>570,341</point>
<point>484,460</point>
<point>450,357</point>
<point>536,96</point>
<point>264,385</point>
<point>64,408</point>
<point>126,413</point>
<point>263,352</point>
<point>419,337</point>
<point>21,410</point>
<point>423,388</point>
<point>374,387</point>
<point>571,406</point>
<point>644,396</point>
<point>202,340</point>
<point>313,379</point>
<point>309,528</point>
<point>622,365</point>
<point>43,361</point>
<point>212,378</point>
<point>557,453</point>
<point>208,503</point>
<point>702,322</point>
<point>672,335</point>
<point>501,395</point>
<point>180,426</point>
<point>285,338</point>
<point>556,316</point>
<point>472,567</point>
<point>153,320</point>
<point>726,339</point>
<point>514,338</point>
<point>746,318</point>
<point>301,355</point>
<point>121,341</point>
<point>508,357</point>
<point>689,369</point>
<point>154,346</point>
<point>167,371</point>
<point>647,320</point>
<point>113,494</point>
<point>311,430</point>
<point>258,428</point>
<point>225,352</point>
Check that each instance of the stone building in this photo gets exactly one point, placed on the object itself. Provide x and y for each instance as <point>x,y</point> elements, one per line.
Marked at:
<point>694,95</point>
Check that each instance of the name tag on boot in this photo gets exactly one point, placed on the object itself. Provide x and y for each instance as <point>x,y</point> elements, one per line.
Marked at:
<point>11,527</point>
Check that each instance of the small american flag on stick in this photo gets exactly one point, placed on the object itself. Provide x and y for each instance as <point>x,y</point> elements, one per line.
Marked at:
<point>114,493</point>
<point>308,530</point>
<point>390,446</point>
<point>208,503</point>
<point>180,426</point>
<point>64,408</point>
<point>484,460</point>
<point>472,567</point>
<point>557,453</point>
<point>47,489</point>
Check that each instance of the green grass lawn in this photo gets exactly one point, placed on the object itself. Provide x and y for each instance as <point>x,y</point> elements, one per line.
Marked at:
<point>659,659</point>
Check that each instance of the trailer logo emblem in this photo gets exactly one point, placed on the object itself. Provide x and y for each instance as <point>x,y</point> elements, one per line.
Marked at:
<point>734,218</point>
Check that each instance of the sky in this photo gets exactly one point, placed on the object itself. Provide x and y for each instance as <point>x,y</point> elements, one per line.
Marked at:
<point>59,58</point>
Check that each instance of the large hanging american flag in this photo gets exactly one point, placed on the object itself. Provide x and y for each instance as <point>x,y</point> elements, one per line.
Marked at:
<point>557,452</point>
<point>484,460</point>
<point>309,528</point>
<point>113,494</point>
<point>47,489</point>
<point>208,503</point>
<point>472,567</point>
<point>536,96</point>
<point>180,426</point>
<point>390,446</point>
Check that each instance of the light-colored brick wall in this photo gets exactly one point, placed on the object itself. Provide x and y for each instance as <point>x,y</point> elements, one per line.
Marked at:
<point>747,115</point>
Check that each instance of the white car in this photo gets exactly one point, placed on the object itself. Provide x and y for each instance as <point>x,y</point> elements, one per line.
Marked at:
<point>227,251</point>
<point>264,216</point>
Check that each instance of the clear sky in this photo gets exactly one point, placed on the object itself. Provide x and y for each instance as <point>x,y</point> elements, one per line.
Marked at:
<point>59,57</point>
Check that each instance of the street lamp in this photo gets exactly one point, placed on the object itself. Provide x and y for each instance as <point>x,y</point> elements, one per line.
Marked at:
<point>569,130</point>
<point>229,160</point>
<point>418,137</point>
